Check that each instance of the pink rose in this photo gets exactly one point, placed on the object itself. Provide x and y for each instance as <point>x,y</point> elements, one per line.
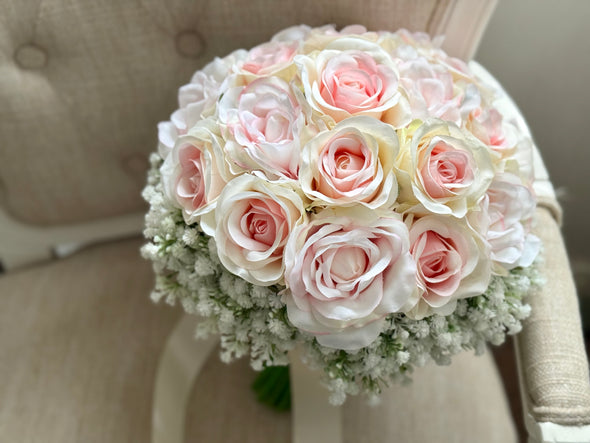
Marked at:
<point>265,121</point>
<point>345,271</point>
<point>194,174</point>
<point>270,58</point>
<point>352,76</point>
<point>452,263</point>
<point>351,164</point>
<point>253,220</point>
<point>445,168</point>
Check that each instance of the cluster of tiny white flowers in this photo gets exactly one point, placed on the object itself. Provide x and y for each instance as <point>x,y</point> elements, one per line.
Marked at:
<point>252,320</point>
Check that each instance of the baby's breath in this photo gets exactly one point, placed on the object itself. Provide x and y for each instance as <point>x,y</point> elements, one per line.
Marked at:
<point>252,320</point>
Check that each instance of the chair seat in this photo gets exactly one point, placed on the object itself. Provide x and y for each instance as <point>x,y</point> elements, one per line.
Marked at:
<point>79,346</point>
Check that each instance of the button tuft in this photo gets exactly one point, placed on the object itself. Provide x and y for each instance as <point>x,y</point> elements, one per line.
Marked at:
<point>189,44</point>
<point>30,56</point>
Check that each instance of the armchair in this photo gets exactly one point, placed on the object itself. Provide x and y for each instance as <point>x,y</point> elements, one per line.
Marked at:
<point>82,87</point>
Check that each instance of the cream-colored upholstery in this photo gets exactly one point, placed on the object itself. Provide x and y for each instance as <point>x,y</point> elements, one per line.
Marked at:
<point>79,347</point>
<point>80,343</point>
<point>553,360</point>
<point>82,86</point>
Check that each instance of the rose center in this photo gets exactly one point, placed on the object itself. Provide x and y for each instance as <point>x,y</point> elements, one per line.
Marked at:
<point>434,266</point>
<point>261,227</point>
<point>276,128</point>
<point>345,156</point>
<point>447,171</point>
<point>349,263</point>
<point>450,165</point>
<point>346,163</point>
<point>357,81</point>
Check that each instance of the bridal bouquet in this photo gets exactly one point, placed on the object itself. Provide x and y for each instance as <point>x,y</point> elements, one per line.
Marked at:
<point>353,193</point>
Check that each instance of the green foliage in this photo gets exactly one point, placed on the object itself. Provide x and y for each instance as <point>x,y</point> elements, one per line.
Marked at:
<point>273,387</point>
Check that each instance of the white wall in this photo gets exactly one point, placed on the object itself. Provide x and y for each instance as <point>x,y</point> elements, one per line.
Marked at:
<point>540,52</point>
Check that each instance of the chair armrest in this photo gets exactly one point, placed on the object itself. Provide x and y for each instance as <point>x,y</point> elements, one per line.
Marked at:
<point>552,362</point>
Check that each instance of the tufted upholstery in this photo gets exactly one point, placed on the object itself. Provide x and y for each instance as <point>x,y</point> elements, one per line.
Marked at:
<point>85,82</point>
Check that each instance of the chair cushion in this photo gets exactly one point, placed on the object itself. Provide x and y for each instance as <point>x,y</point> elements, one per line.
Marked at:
<point>79,346</point>
<point>80,342</point>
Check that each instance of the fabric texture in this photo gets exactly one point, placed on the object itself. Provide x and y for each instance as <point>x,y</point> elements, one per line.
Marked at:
<point>551,346</point>
<point>80,342</point>
<point>83,85</point>
<point>463,402</point>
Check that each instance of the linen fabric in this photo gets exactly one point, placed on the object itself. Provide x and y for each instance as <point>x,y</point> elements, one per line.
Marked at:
<point>79,346</point>
<point>551,346</point>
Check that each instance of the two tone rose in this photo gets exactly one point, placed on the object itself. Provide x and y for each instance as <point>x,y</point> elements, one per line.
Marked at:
<point>351,164</point>
<point>345,271</point>
<point>351,76</point>
<point>265,125</point>
<point>252,222</point>
<point>444,168</point>
<point>195,173</point>
<point>452,262</point>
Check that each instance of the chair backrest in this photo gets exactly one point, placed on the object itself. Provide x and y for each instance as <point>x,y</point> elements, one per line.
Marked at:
<point>83,85</point>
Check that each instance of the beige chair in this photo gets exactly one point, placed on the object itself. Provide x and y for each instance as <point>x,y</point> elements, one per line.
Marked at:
<point>82,87</point>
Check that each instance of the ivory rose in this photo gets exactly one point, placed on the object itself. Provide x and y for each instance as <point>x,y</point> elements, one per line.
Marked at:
<point>409,42</point>
<point>265,124</point>
<point>351,76</point>
<point>294,33</point>
<point>253,220</point>
<point>452,262</point>
<point>445,168</point>
<point>345,271</point>
<point>430,90</point>
<point>489,126</point>
<point>510,206</point>
<point>351,164</point>
<point>270,59</point>
<point>194,174</point>
<point>197,99</point>
<point>321,37</point>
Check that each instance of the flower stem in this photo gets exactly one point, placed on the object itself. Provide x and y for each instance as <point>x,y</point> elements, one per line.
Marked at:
<point>272,387</point>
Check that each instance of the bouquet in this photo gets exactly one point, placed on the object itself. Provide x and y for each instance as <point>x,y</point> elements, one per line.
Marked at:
<point>353,193</point>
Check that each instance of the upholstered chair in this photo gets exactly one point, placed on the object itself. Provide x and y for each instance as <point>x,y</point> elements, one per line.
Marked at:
<point>82,88</point>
